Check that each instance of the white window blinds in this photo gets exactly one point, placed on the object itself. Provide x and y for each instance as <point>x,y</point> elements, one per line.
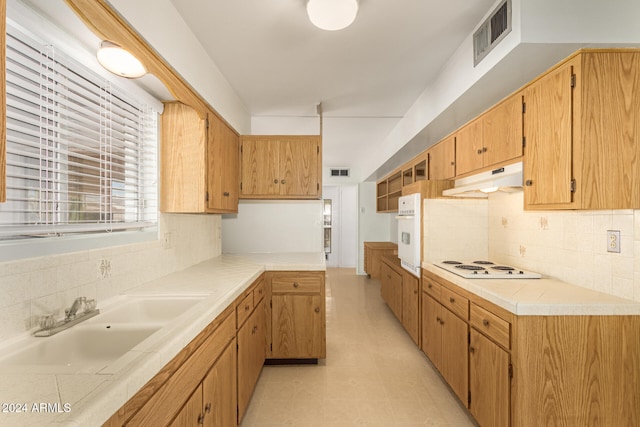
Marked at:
<point>81,155</point>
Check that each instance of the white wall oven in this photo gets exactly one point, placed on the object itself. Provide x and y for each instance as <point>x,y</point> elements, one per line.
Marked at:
<point>409,218</point>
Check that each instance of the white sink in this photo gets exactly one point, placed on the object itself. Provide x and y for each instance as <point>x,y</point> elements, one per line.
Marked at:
<point>95,344</point>
<point>80,349</point>
<point>147,309</point>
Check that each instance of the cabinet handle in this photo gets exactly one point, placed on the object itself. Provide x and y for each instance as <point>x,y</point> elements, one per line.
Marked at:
<point>295,284</point>
<point>472,350</point>
<point>429,286</point>
<point>201,419</point>
<point>317,310</point>
<point>479,151</point>
<point>438,320</point>
<point>415,291</point>
<point>207,408</point>
<point>283,182</point>
<point>528,183</point>
<point>485,322</point>
<point>275,181</point>
<point>254,330</point>
<point>225,194</point>
<point>246,308</point>
<point>453,163</point>
<point>484,149</point>
<point>452,300</point>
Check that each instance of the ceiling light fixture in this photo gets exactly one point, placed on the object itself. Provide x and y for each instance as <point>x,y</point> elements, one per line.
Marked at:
<point>332,15</point>
<point>119,61</point>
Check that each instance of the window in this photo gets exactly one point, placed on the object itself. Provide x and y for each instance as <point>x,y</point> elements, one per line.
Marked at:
<point>81,154</point>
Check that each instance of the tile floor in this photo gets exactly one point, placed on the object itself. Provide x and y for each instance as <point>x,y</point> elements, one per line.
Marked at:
<point>374,375</point>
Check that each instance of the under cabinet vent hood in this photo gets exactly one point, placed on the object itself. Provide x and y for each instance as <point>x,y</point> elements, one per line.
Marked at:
<point>507,178</point>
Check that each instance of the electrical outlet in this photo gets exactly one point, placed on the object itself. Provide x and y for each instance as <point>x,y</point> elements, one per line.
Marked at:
<point>613,241</point>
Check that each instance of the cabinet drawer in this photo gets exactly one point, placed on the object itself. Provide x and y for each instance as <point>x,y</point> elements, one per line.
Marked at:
<point>457,304</point>
<point>244,309</point>
<point>432,288</point>
<point>258,292</point>
<point>299,284</point>
<point>491,325</point>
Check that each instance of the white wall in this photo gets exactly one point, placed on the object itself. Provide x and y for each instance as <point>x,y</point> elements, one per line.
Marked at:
<point>35,286</point>
<point>274,226</point>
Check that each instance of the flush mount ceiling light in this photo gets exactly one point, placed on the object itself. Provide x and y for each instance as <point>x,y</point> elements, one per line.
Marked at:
<point>332,15</point>
<point>120,62</point>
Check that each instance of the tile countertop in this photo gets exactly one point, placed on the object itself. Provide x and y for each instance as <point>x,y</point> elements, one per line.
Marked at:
<point>541,297</point>
<point>29,399</point>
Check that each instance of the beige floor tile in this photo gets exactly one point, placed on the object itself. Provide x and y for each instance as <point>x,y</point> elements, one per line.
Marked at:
<point>374,374</point>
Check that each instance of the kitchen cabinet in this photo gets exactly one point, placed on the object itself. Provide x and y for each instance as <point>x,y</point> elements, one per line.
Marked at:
<point>489,368</point>
<point>3,104</point>
<point>442,159</point>
<point>400,290</point>
<point>373,253</point>
<point>281,167</point>
<point>445,335</point>
<point>391,289</point>
<point>491,139</point>
<point>204,372</point>
<point>582,137</point>
<point>296,323</point>
<point>251,320</point>
<point>415,170</point>
<point>198,162</point>
<point>388,191</point>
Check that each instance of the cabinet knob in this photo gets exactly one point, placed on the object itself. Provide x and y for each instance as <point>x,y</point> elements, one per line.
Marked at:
<point>295,284</point>
<point>438,319</point>
<point>246,308</point>
<point>485,322</point>
<point>207,408</point>
<point>254,330</point>
<point>479,151</point>
<point>484,149</point>
<point>317,310</point>
<point>200,419</point>
<point>275,181</point>
<point>528,183</point>
<point>452,300</point>
<point>472,350</point>
<point>429,286</point>
<point>283,182</point>
<point>415,291</point>
<point>453,163</point>
<point>225,194</point>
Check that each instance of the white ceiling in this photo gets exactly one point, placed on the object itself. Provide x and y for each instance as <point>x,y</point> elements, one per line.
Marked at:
<point>367,76</point>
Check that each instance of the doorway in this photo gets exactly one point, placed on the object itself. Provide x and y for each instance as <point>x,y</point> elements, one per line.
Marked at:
<point>343,245</point>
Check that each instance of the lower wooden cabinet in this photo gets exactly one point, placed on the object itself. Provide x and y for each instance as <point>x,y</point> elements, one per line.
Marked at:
<point>373,253</point>
<point>296,325</point>
<point>400,290</point>
<point>251,355</point>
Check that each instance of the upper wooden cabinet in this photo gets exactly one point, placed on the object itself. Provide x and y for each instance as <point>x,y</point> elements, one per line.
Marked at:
<point>492,138</point>
<point>582,131</point>
<point>281,167</point>
<point>442,159</point>
<point>199,162</point>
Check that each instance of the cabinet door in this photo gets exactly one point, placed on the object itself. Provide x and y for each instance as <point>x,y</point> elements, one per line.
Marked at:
<point>251,355</point>
<point>299,167</point>
<point>548,133</point>
<point>410,303</point>
<point>219,391</point>
<point>455,341</point>
<point>223,165</point>
<point>259,164</point>
<point>502,131</point>
<point>391,289</point>
<point>432,330</point>
<point>469,148</point>
<point>442,159</point>
<point>296,330</point>
<point>489,381</point>
<point>191,413</point>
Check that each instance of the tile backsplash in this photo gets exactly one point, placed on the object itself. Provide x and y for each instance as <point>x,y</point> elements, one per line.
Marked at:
<point>568,245</point>
<point>35,286</point>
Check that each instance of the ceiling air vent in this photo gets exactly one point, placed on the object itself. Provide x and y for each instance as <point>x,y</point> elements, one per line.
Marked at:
<point>342,172</point>
<point>492,31</point>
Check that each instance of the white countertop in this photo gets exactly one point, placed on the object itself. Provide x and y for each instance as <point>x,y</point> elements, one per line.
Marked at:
<point>90,399</point>
<point>541,297</point>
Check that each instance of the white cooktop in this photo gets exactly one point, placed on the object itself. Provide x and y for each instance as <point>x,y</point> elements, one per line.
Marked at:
<point>481,269</point>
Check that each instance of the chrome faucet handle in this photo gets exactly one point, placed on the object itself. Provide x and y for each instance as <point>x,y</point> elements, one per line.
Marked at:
<point>73,310</point>
<point>47,321</point>
<point>90,305</point>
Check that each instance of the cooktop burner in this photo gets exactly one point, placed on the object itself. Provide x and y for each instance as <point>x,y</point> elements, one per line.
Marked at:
<point>486,270</point>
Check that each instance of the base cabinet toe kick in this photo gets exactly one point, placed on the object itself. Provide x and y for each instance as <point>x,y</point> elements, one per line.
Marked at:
<point>280,316</point>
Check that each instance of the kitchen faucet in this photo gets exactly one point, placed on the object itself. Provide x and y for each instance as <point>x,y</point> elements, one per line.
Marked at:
<point>81,310</point>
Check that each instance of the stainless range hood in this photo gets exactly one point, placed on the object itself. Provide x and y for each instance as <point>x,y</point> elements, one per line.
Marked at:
<point>507,178</point>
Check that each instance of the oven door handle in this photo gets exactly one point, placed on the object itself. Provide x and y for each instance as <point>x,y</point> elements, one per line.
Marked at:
<point>405,216</point>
